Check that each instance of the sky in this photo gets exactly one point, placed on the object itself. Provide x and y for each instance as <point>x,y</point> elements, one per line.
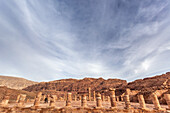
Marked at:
<point>44,40</point>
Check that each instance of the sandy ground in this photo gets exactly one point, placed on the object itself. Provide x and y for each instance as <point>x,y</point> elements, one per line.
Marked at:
<point>91,104</point>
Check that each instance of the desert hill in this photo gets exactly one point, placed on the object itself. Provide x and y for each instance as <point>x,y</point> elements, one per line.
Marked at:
<point>15,82</point>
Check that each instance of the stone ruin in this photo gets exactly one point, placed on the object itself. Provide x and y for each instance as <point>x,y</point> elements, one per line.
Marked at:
<point>84,102</point>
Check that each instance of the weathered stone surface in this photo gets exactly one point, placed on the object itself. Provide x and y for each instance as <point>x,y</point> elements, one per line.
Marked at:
<point>98,101</point>
<point>77,85</point>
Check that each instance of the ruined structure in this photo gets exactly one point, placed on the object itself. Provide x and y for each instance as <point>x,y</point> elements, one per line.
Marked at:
<point>98,100</point>
<point>126,99</point>
<point>141,101</point>
<point>89,94</point>
<point>112,98</point>
<point>167,98</point>
<point>69,99</point>
<point>21,100</point>
<point>83,100</point>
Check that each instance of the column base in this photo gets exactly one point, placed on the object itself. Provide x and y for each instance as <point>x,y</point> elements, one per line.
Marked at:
<point>35,107</point>
<point>128,107</point>
<point>113,107</point>
<point>145,109</point>
<point>83,107</point>
<point>159,109</point>
<point>98,107</point>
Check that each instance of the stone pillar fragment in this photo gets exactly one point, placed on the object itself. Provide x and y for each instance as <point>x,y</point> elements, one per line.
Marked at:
<point>89,93</point>
<point>141,101</point>
<point>94,96</point>
<point>121,98</point>
<point>21,100</point>
<point>5,101</point>
<point>18,97</point>
<point>126,99</point>
<point>43,98</point>
<point>112,98</point>
<point>117,98</point>
<point>79,97</point>
<point>108,98</point>
<point>36,102</point>
<point>28,100</point>
<point>103,97</point>
<point>83,101</point>
<point>98,100</point>
<point>75,97</point>
<point>52,102</point>
<point>167,98</point>
<point>54,98</point>
<point>155,101</point>
<point>39,95</point>
<point>69,99</point>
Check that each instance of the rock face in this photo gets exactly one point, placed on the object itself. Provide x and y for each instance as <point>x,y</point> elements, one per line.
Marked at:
<point>15,82</point>
<point>77,85</point>
<point>152,83</point>
<point>160,82</point>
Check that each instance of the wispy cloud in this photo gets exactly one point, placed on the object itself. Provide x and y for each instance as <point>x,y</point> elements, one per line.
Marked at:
<point>49,39</point>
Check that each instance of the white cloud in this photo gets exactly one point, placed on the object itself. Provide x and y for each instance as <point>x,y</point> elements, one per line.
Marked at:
<point>52,39</point>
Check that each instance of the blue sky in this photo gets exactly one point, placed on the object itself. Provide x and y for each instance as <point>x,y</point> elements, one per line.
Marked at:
<point>45,40</point>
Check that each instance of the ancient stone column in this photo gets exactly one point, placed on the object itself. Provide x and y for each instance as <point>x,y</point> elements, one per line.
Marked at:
<point>112,98</point>
<point>98,100</point>
<point>121,98</point>
<point>155,101</point>
<point>126,99</point>
<point>89,92</point>
<point>54,97</point>
<point>52,102</point>
<point>39,95</point>
<point>48,97</point>
<point>103,98</point>
<point>167,98</point>
<point>18,97</point>
<point>36,102</point>
<point>141,101</point>
<point>21,100</point>
<point>5,101</point>
<point>75,97</point>
<point>28,100</point>
<point>43,98</point>
<point>117,98</point>
<point>68,101</point>
<point>108,98</point>
<point>94,96</point>
<point>79,97</point>
<point>83,101</point>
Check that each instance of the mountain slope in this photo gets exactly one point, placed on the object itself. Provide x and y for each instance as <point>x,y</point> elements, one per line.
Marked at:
<point>15,82</point>
<point>13,93</point>
<point>151,83</point>
<point>146,84</point>
<point>77,85</point>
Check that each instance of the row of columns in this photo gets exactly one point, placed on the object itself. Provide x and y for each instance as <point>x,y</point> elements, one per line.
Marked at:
<point>126,99</point>
<point>21,99</point>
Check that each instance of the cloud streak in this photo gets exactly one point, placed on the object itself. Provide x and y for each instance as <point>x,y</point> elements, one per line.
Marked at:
<point>48,39</point>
